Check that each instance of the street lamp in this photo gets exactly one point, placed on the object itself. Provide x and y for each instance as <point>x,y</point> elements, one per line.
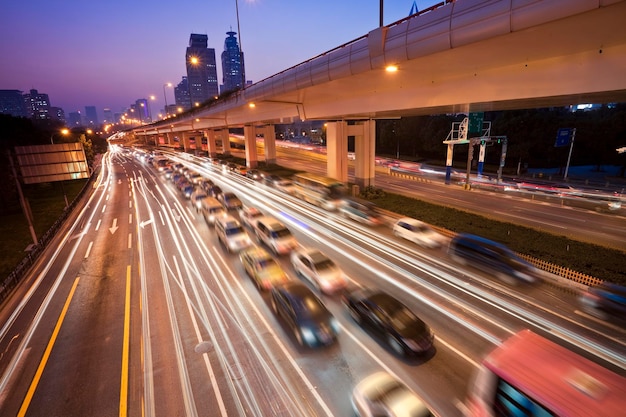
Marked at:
<point>63,132</point>
<point>165,97</point>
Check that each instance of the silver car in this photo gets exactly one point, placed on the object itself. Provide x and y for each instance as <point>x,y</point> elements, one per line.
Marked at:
<point>319,269</point>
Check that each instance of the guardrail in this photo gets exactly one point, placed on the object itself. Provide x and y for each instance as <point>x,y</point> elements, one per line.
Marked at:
<point>22,268</point>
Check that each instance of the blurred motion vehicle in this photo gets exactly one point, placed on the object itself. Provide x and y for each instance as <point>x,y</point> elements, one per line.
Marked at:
<point>318,190</point>
<point>264,270</point>
<point>319,270</point>
<point>187,190</point>
<point>382,395</point>
<point>214,191</point>
<point>307,317</point>
<point>274,235</point>
<point>417,232</point>
<point>195,178</point>
<point>231,234</point>
<point>286,186</point>
<point>249,215</point>
<point>481,252</point>
<point>196,198</point>
<point>529,375</point>
<point>361,211</point>
<point>211,210</point>
<point>271,179</point>
<point>605,301</point>
<point>404,332</point>
<point>230,201</point>
<point>254,174</point>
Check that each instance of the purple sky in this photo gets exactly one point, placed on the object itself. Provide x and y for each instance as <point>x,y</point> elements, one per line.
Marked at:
<point>111,53</point>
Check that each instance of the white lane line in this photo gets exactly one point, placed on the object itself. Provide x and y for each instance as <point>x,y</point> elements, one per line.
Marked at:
<point>98,224</point>
<point>88,249</point>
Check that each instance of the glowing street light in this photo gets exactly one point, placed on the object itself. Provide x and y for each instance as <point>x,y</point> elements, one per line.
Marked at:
<point>63,131</point>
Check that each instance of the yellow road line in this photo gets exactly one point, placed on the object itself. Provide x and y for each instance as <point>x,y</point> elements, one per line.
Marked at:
<point>46,354</point>
<point>125,349</point>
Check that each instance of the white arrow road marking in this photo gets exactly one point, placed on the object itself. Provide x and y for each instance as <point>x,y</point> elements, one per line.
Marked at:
<point>145,222</point>
<point>114,228</point>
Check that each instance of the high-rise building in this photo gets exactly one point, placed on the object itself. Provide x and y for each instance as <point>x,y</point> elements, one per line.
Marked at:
<point>233,73</point>
<point>181,96</point>
<point>201,69</point>
<point>142,111</point>
<point>57,113</point>
<point>91,116</point>
<point>37,105</point>
<point>74,119</point>
<point>12,102</point>
<point>108,116</point>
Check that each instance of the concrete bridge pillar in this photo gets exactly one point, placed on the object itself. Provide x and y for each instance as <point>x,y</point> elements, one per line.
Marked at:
<point>249,136</point>
<point>269,143</point>
<point>186,144</point>
<point>211,146</point>
<point>364,133</point>
<point>337,150</point>
<point>224,134</point>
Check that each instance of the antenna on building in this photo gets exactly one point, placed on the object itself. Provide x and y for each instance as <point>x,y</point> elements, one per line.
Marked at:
<point>414,9</point>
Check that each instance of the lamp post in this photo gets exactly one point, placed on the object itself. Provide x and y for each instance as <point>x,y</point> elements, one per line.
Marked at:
<point>63,132</point>
<point>152,97</point>
<point>165,98</point>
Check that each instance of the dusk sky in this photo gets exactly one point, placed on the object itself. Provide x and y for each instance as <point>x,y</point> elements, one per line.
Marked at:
<point>111,53</point>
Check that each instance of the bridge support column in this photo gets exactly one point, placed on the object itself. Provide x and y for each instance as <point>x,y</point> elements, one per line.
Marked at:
<point>364,150</point>
<point>481,158</point>
<point>449,155</point>
<point>249,137</point>
<point>269,143</point>
<point>186,144</point>
<point>337,150</point>
<point>210,141</point>
<point>224,134</point>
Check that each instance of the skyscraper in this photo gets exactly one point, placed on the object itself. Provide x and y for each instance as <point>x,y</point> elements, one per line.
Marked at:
<point>201,69</point>
<point>233,73</point>
<point>91,116</point>
<point>181,95</point>
<point>12,102</point>
<point>37,105</point>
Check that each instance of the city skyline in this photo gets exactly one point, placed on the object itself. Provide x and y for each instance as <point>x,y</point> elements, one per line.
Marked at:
<point>109,55</point>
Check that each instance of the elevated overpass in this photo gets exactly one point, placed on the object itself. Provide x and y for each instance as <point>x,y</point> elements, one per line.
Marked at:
<point>456,57</point>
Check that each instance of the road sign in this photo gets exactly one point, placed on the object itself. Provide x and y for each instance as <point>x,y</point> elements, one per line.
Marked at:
<point>564,137</point>
<point>475,124</point>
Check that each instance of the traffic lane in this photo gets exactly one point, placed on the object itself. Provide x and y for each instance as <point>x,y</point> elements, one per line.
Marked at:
<point>202,307</point>
<point>53,386</point>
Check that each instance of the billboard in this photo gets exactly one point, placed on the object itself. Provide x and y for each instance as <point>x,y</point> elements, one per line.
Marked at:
<point>48,163</point>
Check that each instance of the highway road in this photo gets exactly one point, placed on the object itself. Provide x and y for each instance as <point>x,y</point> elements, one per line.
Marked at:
<point>535,210</point>
<point>138,310</point>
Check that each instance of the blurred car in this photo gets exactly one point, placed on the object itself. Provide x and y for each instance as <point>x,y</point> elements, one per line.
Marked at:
<point>214,191</point>
<point>231,234</point>
<point>496,257</point>
<point>249,215</point>
<point>309,319</point>
<point>168,172</point>
<point>211,210</point>
<point>605,301</point>
<point>417,232</point>
<point>254,174</point>
<point>271,179</point>
<point>286,186</point>
<point>274,235</point>
<point>405,333</point>
<point>264,270</point>
<point>230,201</point>
<point>382,395</point>
<point>196,198</point>
<point>195,178</point>
<point>187,190</point>
<point>318,269</point>
<point>361,211</point>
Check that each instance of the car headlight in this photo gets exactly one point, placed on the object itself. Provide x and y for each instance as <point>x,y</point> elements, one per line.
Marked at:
<point>308,335</point>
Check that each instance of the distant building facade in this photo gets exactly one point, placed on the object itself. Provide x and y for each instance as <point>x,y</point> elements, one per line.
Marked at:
<point>181,96</point>
<point>74,119</point>
<point>201,70</point>
<point>91,116</point>
<point>37,105</point>
<point>233,72</point>
<point>108,116</point>
<point>12,103</point>
<point>57,113</point>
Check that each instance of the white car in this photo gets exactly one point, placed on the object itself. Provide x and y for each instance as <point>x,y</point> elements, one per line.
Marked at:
<point>418,232</point>
<point>318,269</point>
<point>381,395</point>
<point>249,215</point>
